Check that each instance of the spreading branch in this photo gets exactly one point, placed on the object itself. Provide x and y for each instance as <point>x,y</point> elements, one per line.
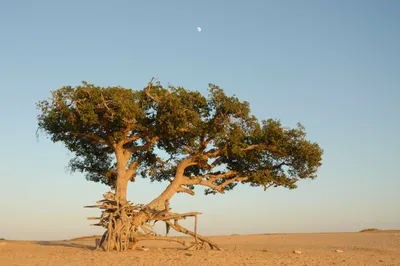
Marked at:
<point>185,190</point>
<point>144,147</point>
<point>208,181</point>
<point>94,138</point>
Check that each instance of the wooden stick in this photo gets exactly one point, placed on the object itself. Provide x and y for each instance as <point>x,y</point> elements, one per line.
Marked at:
<point>176,216</point>
<point>195,229</point>
<point>181,229</point>
<point>170,239</point>
<point>98,224</point>
<point>93,218</point>
<point>93,206</point>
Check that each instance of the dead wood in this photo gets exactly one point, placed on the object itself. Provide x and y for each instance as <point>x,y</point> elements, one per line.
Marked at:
<point>163,238</point>
<point>177,227</point>
<point>123,222</point>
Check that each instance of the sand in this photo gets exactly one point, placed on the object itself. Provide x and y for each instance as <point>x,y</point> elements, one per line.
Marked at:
<point>371,248</point>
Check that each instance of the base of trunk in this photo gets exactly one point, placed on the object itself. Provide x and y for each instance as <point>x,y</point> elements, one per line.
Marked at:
<point>128,224</point>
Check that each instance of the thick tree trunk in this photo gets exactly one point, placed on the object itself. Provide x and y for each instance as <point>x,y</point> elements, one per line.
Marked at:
<point>158,204</point>
<point>122,174</point>
<point>122,230</point>
<point>121,189</point>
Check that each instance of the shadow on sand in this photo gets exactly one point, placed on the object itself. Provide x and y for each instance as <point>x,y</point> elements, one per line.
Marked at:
<point>66,244</point>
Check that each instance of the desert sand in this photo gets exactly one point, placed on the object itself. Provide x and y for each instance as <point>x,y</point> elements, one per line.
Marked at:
<point>368,248</point>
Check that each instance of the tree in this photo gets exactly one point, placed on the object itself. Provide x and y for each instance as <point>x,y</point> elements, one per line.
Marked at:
<point>212,142</point>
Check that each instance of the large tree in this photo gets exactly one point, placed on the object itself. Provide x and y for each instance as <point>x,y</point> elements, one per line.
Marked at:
<point>175,135</point>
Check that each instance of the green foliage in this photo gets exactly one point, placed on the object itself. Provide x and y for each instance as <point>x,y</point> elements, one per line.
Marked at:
<point>223,137</point>
<point>218,134</point>
<point>91,121</point>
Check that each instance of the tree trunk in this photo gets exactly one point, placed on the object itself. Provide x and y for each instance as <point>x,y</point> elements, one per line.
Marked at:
<point>122,229</point>
<point>121,188</point>
<point>158,204</point>
<point>122,174</point>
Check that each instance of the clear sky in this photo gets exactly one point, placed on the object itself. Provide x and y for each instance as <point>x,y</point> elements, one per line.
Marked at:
<point>334,66</point>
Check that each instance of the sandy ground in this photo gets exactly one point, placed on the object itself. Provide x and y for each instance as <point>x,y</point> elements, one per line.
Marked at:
<point>373,248</point>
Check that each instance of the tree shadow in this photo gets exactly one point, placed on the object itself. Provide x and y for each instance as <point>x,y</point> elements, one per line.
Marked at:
<point>66,244</point>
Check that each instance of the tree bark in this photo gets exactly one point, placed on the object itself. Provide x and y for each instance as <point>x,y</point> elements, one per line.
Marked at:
<point>122,173</point>
<point>123,225</point>
<point>158,204</point>
<point>121,189</point>
<point>173,187</point>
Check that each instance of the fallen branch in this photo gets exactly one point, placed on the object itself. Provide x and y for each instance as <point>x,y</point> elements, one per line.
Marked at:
<point>163,238</point>
<point>177,216</point>
<point>177,227</point>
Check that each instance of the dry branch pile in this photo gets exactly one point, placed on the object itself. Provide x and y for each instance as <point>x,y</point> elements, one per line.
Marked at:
<point>124,228</point>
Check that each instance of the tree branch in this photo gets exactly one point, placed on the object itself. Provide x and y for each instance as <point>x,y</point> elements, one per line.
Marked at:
<point>185,190</point>
<point>201,180</point>
<point>132,167</point>
<point>132,138</point>
<point>267,186</point>
<point>109,135</point>
<point>251,147</point>
<point>213,177</point>
<point>213,153</point>
<point>144,147</point>
<point>93,138</point>
<point>147,91</point>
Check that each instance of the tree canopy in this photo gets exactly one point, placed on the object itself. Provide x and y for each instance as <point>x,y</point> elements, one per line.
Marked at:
<point>219,144</point>
<point>215,140</point>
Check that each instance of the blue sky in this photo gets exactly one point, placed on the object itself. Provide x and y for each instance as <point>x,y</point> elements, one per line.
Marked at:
<point>334,66</point>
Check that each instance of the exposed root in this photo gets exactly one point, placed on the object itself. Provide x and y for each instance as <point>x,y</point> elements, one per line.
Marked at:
<point>177,227</point>
<point>198,246</point>
<point>124,221</point>
<point>164,238</point>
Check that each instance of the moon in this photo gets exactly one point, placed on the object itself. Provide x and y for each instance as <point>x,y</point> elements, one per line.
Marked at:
<point>198,29</point>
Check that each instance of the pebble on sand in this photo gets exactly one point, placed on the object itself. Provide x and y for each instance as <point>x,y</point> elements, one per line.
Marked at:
<point>339,251</point>
<point>296,251</point>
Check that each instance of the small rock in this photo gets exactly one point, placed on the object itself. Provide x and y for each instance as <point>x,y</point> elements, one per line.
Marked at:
<point>144,249</point>
<point>296,251</point>
<point>188,254</point>
<point>339,251</point>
